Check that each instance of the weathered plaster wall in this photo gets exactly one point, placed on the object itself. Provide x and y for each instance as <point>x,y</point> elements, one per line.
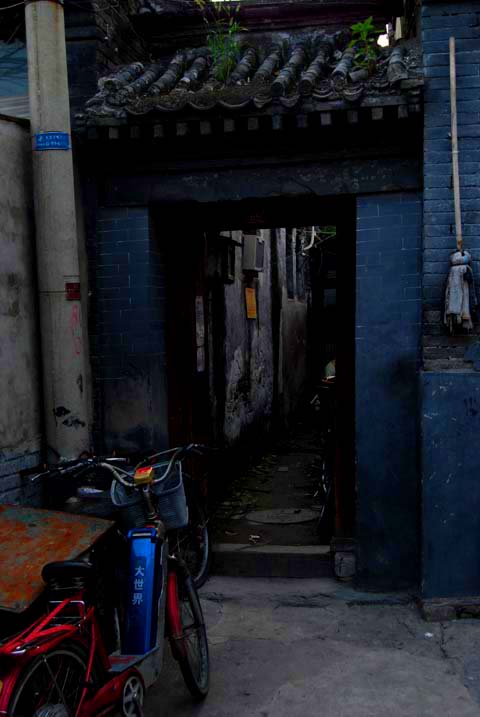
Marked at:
<point>20,408</point>
<point>292,373</point>
<point>248,353</point>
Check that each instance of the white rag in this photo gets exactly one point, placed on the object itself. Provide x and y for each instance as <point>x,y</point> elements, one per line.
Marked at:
<point>457,295</point>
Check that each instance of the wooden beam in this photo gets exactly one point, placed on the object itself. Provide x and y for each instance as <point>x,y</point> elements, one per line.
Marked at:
<point>253,124</point>
<point>377,113</point>
<point>402,112</point>
<point>326,178</point>
<point>135,132</point>
<point>352,116</point>
<point>158,131</point>
<point>228,125</point>
<point>113,133</point>
<point>182,129</point>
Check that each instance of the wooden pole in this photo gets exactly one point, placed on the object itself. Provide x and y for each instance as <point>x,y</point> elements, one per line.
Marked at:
<point>455,168</point>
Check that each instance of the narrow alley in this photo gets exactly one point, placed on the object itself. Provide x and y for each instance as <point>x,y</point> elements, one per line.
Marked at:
<point>276,520</point>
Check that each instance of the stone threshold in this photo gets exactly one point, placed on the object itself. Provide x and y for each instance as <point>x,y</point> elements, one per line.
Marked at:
<point>273,561</point>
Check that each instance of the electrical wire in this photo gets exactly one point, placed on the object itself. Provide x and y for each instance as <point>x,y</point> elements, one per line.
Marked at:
<point>10,7</point>
<point>110,6</point>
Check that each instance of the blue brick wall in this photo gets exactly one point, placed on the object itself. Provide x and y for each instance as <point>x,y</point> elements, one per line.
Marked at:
<point>440,21</point>
<point>450,485</point>
<point>128,331</point>
<point>388,341</point>
<point>14,488</point>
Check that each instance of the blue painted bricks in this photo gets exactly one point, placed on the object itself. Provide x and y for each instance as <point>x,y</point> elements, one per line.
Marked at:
<point>388,352</point>
<point>449,415</point>
<point>13,487</point>
<point>128,331</point>
<point>440,21</point>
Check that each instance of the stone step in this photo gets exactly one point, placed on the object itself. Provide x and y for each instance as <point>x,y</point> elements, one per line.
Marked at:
<point>272,561</point>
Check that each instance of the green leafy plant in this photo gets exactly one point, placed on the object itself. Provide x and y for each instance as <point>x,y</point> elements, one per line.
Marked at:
<point>365,41</point>
<point>221,19</point>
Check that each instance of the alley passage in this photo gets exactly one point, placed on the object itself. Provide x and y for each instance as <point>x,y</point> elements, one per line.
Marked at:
<point>274,502</point>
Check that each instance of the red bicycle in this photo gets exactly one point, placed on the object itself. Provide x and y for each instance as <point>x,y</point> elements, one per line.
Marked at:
<point>60,665</point>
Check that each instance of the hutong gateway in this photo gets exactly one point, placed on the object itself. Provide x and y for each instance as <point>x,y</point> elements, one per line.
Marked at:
<point>201,190</point>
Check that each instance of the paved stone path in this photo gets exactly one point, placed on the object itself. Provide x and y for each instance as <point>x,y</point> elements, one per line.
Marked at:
<point>295,648</point>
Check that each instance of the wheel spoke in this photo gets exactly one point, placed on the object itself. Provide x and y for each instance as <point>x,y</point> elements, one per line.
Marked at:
<point>50,680</point>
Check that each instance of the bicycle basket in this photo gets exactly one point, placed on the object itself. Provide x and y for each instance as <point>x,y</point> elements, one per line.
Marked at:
<point>171,501</point>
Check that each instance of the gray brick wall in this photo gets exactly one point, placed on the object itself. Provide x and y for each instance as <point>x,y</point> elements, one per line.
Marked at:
<point>98,41</point>
<point>388,340</point>
<point>127,325</point>
<point>439,22</point>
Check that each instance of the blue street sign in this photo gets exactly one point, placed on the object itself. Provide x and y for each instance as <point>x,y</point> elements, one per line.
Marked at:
<point>51,140</point>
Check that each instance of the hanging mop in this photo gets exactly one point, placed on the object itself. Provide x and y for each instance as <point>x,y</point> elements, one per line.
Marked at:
<point>460,294</point>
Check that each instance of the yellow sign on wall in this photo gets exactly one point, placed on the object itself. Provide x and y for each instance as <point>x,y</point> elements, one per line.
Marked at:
<point>251,302</point>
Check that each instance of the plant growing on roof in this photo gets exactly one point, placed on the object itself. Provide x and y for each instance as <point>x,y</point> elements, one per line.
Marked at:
<point>221,19</point>
<point>365,42</point>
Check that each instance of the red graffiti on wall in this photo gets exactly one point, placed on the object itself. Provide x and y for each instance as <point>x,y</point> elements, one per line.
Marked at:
<point>76,329</point>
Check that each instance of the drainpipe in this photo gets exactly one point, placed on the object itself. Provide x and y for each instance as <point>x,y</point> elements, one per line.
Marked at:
<point>63,348</point>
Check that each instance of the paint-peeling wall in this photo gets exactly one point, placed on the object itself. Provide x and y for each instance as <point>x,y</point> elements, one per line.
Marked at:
<point>20,411</point>
<point>265,358</point>
<point>248,352</point>
<point>292,368</point>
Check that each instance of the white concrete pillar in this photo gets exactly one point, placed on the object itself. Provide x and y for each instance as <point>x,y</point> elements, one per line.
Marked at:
<point>63,349</point>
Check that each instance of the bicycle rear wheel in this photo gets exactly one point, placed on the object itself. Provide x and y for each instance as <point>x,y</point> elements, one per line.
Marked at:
<point>51,684</point>
<point>187,633</point>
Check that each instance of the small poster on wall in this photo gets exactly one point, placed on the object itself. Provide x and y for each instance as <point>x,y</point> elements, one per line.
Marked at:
<point>251,303</point>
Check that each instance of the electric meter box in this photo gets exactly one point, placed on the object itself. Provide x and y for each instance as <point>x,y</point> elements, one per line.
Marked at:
<point>253,252</point>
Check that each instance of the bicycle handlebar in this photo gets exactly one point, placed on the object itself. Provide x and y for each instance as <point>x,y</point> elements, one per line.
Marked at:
<point>122,476</point>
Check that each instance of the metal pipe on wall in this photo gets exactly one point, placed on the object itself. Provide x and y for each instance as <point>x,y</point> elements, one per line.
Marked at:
<point>63,349</point>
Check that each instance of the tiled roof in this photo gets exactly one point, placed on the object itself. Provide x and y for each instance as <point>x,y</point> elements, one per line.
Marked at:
<point>319,68</point>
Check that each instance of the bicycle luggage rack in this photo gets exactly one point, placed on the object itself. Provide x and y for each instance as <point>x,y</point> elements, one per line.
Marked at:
<point>32,537</point>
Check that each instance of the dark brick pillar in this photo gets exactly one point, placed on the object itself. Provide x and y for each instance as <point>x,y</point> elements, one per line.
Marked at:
<point>440,21</point>
<point>128,346</point>
<point>450,414</point>
<point>388,345</point>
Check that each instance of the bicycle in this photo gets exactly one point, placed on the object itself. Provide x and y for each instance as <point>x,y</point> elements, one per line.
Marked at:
<point>324,403</point>
<point>60,665</point>
<point>193,540</point>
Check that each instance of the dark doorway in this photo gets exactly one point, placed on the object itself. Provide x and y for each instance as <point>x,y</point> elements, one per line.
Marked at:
<point>200,245</point>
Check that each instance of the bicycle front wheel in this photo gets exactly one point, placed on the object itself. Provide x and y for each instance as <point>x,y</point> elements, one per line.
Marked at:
<point>187,633</point>
<point>51,683</point>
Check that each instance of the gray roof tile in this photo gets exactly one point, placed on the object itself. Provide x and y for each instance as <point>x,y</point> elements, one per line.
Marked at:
<point>317,67</point>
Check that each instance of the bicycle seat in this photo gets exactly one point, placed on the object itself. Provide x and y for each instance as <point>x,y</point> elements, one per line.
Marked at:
<point>66,571</point>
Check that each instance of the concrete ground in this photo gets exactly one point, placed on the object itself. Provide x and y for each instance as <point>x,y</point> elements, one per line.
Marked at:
<point>294,648</point>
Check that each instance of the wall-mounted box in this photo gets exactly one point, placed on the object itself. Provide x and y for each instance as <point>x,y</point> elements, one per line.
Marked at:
<point>253,252</point>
